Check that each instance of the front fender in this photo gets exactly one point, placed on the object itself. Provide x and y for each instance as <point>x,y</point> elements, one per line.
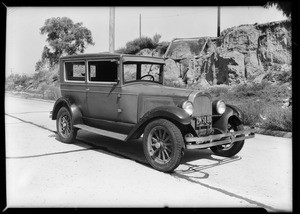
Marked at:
<point>171,113</point>
<point>231,111</point>
<point>73,108</point>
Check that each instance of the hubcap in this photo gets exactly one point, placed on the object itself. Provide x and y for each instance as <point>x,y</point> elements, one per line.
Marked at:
<point>158,145</point>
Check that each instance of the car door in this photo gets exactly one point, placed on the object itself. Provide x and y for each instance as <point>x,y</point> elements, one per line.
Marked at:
<point>102,89</point>
<point>73,82</point>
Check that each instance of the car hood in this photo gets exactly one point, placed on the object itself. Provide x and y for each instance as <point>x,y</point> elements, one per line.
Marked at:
<point>157,90</point>
<point>152,95</point>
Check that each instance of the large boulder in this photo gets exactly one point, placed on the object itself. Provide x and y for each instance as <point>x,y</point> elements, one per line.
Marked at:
<point>252,65</point>
<point>231,67</point>
<point>241,39</point>
<point>275,45</point>
<point>172,71</point>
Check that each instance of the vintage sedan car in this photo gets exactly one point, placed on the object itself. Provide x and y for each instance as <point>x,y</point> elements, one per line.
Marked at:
<point>124,97</point>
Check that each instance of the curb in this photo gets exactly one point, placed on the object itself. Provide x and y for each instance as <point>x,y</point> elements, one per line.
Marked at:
<point>274,133</point>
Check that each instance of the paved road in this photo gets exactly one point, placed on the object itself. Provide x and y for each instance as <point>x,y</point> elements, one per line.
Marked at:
<point>102,172</point>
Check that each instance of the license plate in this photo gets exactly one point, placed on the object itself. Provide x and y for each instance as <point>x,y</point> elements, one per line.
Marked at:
<point>203,120</point>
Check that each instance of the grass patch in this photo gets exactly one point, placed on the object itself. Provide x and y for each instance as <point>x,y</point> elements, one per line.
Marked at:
<point>262,103</point>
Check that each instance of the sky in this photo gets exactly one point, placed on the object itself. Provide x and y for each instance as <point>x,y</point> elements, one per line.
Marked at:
<point>24,43</point>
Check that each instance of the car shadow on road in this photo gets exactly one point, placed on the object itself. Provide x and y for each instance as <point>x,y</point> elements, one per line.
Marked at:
<point>195,162</point>
<point>192,164</point>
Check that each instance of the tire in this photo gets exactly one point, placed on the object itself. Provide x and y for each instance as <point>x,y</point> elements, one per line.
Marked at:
<point>163,145</point>
<point>229,150</point>
<point>64,126</point>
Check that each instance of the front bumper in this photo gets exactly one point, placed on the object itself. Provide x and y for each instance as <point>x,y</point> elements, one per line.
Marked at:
<point>218,139</point>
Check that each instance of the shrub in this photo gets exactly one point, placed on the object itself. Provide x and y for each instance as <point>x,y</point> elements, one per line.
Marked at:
<point>133,47</point>
<point>52,93</point>
<point>278,119</point>
<point>218,90</point>
<point>156,38</point>
<point>253,112</point>
<point>162,48</point>
<point>260,102</point>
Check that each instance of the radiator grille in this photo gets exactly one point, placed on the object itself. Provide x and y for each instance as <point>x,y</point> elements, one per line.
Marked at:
<point>202,106</point>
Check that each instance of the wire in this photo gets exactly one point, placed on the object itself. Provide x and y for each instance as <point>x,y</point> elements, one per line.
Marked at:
<point>182,14</point>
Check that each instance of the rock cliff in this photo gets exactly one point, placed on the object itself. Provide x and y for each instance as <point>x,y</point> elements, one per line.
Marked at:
<point>244,53</point>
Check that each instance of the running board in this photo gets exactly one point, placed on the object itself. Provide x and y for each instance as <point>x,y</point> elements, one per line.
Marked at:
<point>101,132</point>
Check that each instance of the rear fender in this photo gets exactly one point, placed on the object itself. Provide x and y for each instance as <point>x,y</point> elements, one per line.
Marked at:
<point>172,113</point>
<point>71,106</point>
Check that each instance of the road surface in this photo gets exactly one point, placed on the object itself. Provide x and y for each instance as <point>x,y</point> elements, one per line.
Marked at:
<point>101,172</point>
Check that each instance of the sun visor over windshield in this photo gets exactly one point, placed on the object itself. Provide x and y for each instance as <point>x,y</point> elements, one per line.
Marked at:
<point>143,59</point>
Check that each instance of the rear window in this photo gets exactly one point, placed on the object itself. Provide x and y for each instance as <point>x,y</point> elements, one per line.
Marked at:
<point>75,71</point>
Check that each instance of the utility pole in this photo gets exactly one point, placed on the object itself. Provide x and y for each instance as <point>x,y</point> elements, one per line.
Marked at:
<point>140,26</point>
<point>218,30</point>
<point>112,29</point>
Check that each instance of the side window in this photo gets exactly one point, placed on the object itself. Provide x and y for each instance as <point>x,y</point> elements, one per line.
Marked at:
<point>75,71</point>
<point>130,72</point>
<point>103,71</point>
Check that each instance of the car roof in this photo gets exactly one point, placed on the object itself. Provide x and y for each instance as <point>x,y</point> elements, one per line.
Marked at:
<point>126,57</point>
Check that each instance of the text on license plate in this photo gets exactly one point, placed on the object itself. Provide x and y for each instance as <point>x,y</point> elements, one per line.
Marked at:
<point>203,120</point>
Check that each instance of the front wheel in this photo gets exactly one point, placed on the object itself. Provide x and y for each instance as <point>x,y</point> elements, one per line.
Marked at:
<point>231,149</point>
<point>163,145</point>
<point>64,126</point>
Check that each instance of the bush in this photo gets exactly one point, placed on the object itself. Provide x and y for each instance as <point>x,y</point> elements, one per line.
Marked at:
<point>278,119</point>
<point>162,48</point>
<point>218,90</point>
<point>249,89</point>
<point>253,112</point>
<point>138,44</point>
<point>52,93</point>
<point>261,103</point>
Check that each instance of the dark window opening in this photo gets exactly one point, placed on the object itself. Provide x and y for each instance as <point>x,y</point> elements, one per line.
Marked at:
<point>103,71</point>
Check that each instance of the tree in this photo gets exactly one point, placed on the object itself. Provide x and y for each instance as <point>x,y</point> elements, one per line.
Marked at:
<point>156,38</point>
<point>284,6</point>
<point>64,38</point>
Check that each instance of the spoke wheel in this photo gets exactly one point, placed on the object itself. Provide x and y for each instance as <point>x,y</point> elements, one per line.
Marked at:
<point>230,149</point>
<point>159,147</point>
<point>163,145</point>
<point>64,126</point>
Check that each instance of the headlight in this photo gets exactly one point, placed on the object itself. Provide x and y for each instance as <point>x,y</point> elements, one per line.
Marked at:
<point>220,106</point>
<point>188,107</point>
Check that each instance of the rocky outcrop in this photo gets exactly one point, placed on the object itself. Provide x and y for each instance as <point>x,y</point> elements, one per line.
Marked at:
<point>240,53</point>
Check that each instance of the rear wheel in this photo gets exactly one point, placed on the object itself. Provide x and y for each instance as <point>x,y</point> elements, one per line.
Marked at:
<point>64,126</point>
<point>231,149</point>
<point>163,145</point>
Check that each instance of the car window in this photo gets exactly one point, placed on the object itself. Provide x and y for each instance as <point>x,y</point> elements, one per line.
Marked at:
<point>130,72</point>
<point>142,72</point>
<point>103,71</point>
<point>150,69</point>
<point>75,71</point>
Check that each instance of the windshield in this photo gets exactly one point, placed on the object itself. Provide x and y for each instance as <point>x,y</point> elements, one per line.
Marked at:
<point>140,71</point>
